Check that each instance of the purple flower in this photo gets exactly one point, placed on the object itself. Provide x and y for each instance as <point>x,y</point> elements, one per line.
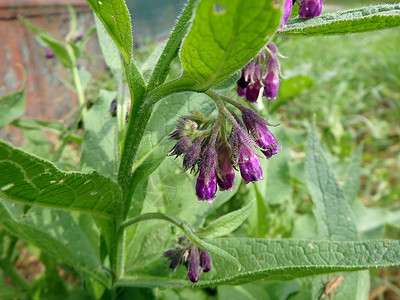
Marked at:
<point>48,53</point>
<point>206,185</point>
<point>262,136</point>
<point>192,155</point>
<point>193,265</point>
<point>249,165</point>
<point>287,10</point>
<point>271,85</point>
<point>310,8</point>
<point>226,173</point>
<point>205,260</point>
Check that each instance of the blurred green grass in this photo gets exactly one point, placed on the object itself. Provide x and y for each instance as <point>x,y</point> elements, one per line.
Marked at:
<point>354,98</point>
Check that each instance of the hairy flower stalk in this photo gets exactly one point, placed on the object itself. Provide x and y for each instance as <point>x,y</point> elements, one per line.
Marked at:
<point>261,73</point>
<point>194,258</point>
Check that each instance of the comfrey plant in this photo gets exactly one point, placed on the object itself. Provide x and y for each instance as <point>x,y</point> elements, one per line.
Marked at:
<point>114,217</point>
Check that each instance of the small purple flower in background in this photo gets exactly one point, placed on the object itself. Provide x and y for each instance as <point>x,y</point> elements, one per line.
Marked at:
<point>310,8</point>
<point>48,53</point>
<point>287,10</point>
<point>194,258</point>
<point>262,72</point>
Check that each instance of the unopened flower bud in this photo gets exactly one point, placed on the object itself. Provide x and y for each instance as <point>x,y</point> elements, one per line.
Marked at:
<point>310,8</point>
<point>181,147</point>
<point>226,173</point>
<point>205,260</point>
<point>193,265</point>
<point>287,10</point>
<point>192,154</point>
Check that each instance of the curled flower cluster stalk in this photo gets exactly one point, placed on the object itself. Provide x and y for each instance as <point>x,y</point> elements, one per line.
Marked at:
<point>194,258</point>
<point>262,72</point>
<point>208,152</point>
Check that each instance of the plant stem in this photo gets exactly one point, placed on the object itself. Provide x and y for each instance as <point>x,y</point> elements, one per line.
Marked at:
<point>9,269</point>
<point>221,107</point>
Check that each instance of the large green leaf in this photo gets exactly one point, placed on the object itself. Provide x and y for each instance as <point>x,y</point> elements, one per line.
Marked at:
<point>274,259</point>
<point>114,15</point>
<point>55,232</point>
<point>331,206</point>
<point>108,48</point>
<point>225,35</point>
<point>31,180</point>
<point>361,19</point>
<point>335,218</point>
<point>99,146</point>
<point>12,106</point>
<point>352,180</point>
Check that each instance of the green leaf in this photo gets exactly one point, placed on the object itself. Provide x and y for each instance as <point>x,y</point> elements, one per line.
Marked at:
<point>12,106</point>
<point>226,224</point>
<point>361,19</point>
<point>352,180</point>
<point>58,47</point>
<point>225,35</point>
<point>335,219</point>
<point>8,292</point>
<point>99,146</point>
<point>114,15</point>
<point>108,48</point>
<point>56,233</point>
<point>34,181</point>
<point>334,216</point>
<point>275,260</point>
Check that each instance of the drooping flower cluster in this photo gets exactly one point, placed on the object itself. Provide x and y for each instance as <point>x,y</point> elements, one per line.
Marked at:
<point>214,157</point>
<point>194,258</point>
<point>261,72</point>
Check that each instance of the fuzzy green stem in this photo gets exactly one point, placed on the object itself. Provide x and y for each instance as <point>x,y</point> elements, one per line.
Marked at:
<point>221,107</point>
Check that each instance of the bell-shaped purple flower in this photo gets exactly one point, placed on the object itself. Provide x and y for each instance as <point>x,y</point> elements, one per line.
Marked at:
<point>253,89</point>
<point>267,141</point>
<point>287,10</point>
<point>310,8</point>
<point>262,136</point>
<point>205,260</point>
<point>226,173</point>
<point>192,154</point>
<point>193,264</point>
<point>271,85</point>
<point>206,185</point>
<point>249,165</point>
